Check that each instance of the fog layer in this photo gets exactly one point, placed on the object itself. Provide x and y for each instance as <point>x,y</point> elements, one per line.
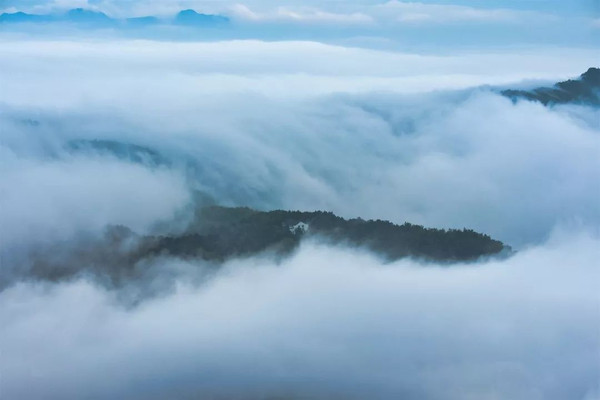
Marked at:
<point>139,133</point>
<point>328,323</point>
<point>447,159</point>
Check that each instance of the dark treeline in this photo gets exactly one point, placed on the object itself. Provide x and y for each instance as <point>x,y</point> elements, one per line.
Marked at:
<point>217,234</point>
<point>224,232</point>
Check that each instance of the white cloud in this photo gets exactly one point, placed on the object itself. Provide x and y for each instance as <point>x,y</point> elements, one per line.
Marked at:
<point>245,112</point>
<point>52,200</point>
<point>309,126</point>
<point>299,15</point>
<point>57,6</point>
<point>283,69</point>
<point>421,12</point>
<point>328,323</point>
<point>416,12</point>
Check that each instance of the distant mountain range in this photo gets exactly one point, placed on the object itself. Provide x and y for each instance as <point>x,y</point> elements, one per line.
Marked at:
<point>583,90</point>
<point>96,19</point>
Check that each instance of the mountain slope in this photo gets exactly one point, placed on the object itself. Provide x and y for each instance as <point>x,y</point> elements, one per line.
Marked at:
<point>584,90</point>
<point>243,231</point>
<point>192,18</point>
<point>124,259</point>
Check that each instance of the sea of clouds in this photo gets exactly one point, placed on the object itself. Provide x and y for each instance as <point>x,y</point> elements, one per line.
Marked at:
<point>301,125</point>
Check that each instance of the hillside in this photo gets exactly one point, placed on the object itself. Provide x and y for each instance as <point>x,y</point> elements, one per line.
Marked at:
<point>584,90</point>
<point>218,234</point>
<point>224,232</point>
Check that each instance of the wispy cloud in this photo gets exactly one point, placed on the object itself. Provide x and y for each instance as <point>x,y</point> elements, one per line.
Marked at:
<point>300,15</point>
<point>427,13</point>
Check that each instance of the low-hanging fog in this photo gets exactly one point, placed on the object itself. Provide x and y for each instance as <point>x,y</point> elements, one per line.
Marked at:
<point>328,323</point>
<point>300,125</point>
<point>275,133</point>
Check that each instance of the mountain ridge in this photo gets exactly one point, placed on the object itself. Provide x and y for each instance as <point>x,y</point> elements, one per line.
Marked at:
<point>216,234</point>
<point>583,90</point>
<point>93,18</point>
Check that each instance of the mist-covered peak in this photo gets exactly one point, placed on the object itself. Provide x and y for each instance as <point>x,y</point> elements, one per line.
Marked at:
<point>220,234</point>
<point>22,17</point>
<point>191,17</point>
<point>591,76</point>
<point>583,90</point>
<point>86,15</point>
<point>77,16</point>
<point>96,19</point>
<point>89,17</point>
<point>142,21</point>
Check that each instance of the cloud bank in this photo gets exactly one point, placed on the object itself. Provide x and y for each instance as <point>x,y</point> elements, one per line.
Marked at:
<point>328,323</point>
<point>266,132</point>
<point>100,133</point>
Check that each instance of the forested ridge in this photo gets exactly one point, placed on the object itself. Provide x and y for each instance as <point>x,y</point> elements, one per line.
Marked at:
<point>218,234</point>
<point>224,232</point>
